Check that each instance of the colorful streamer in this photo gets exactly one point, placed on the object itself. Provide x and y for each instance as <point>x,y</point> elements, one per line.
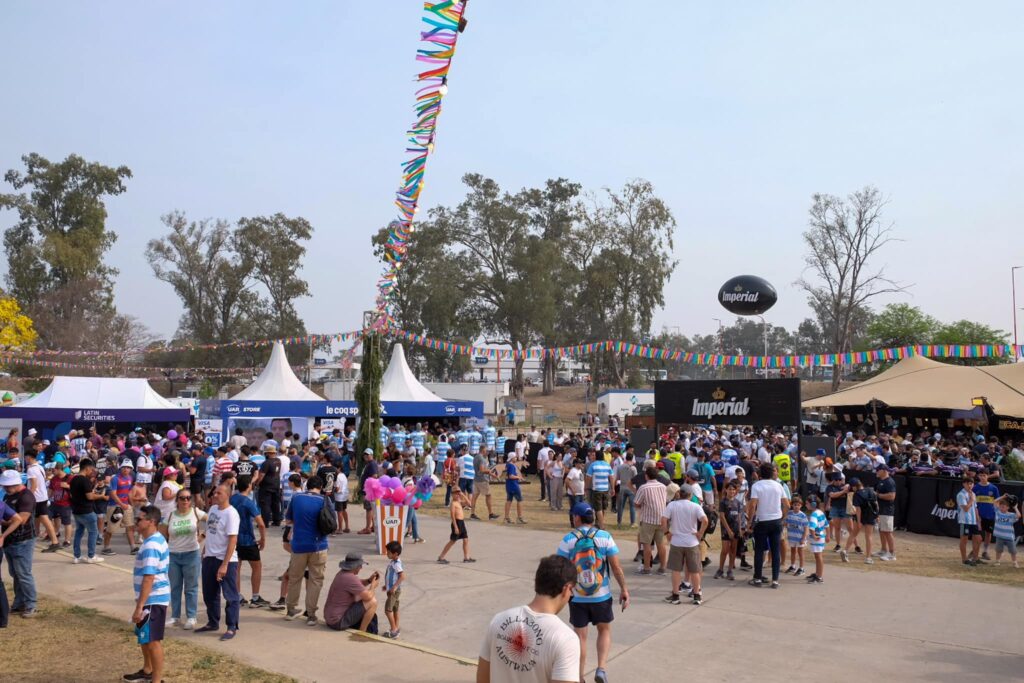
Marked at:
<point>287,341</point>
<point>444,23</point>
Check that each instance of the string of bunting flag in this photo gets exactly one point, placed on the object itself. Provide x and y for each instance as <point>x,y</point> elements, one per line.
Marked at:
<point>305,340</point>
<point>9,359</point>
<point>714,359</point>
<point>444,21</point>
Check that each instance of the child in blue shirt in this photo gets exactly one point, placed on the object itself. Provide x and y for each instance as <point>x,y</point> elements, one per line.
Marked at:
<point>394,575</point>
<point>1003,531</point>
<point>796,535</point>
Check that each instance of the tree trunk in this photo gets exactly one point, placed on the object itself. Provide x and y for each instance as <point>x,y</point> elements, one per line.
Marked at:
<point>518,388</point>
<point>550,367</point>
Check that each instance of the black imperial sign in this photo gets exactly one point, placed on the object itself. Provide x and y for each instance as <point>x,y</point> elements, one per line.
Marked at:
<point>733,402</point>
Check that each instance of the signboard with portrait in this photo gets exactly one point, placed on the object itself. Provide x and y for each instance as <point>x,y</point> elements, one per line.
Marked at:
<point>255,429</point>
<point>728,402</point>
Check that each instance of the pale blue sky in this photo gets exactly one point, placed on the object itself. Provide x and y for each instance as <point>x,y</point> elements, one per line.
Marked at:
<point>736,112</point>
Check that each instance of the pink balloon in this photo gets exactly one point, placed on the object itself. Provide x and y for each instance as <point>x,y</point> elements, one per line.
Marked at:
<point>417,504</point>
<point>409,498</point>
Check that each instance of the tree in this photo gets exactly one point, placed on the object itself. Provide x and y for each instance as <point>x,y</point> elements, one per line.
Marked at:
<point>843,238</point>
<point>969,332</point>
<point>900,325</point>
<point>371,371</point>
<point>16,330</point>
<point>57,246</point>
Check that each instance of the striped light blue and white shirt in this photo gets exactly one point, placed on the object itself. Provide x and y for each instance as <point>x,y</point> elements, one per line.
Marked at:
<point>1004,525</point>
<point>600,473</point>
<point>417,438</point>
<point>475,438</point>
<point>490,435</point>
<point>153,560</point>
<point>442,449</point>
<point>969,516</point>
<point>468,471</point>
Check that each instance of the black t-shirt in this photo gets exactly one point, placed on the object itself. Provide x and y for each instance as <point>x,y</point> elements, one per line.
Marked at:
<point>199,478</point>
<point>271,471</point>
<point>244,468</point>
<point>748,469</point>
<point>861,499</point>
<point>329,473</point>
<point>22,501</point>
<point>100,506</point>
<point>80,503</point>
<point>886,507</point>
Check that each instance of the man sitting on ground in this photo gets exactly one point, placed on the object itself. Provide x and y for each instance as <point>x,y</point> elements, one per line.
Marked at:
<point>351,601</point>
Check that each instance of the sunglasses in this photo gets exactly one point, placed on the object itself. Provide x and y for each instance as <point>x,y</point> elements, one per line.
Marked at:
<point>184,497</point>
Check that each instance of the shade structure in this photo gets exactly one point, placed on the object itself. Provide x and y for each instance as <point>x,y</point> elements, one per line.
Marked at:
<point>277,382</point>
<point>919,382</point>
<point>100,393</point>
<point>399,384</point>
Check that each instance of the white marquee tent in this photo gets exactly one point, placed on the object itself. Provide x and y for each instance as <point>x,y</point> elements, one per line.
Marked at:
<point>277,382</point>
<point>399,384</point>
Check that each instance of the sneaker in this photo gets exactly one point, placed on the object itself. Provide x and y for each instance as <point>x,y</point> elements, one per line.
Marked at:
<point>697,599</point>
<point>746,566</point>
<point>837,548</point>
<point>719,574</point>
<point>258,602</point>
<point>814,578</point>
<point>775,584</point>
<point>473,516</point>
<point>189,624</point>
<point>135,550</point>
<point>520,520</point>
<point>892,558</point>
<point>857,550</point>
<point>729,576</point>
<point>137,676</point>
<point>292,615</point>
<point>600,676</point>
<point>311,621</point>
<point>173,623</point>
<point>790,569</point>
<point>52,548</point>
<point>65,544</point>
<point>419,540</point>
<point>278,606</point>
<point>844,556</point>
<point>660,571</point>
<point>685,587</point>
<point>108,552</point>
<point>94,560</point>
<point>643,571</point>
<point>30,614</point>
<point>756,582</point>
<point>877,553</point>
<point>386,634</point>
<point>492,516</point>
<point>638,557</point>
<point>508,521</point>
<point>799,572</point>
<point>243,602</point>
<point>78,560</point>
<point>673,599</point>
<point>705,562</point>
<point>869,560</point>
<point>884,557</point>
<point>985,556</point>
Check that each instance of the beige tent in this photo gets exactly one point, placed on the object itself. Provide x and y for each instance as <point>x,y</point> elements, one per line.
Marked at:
<point>918,382</point>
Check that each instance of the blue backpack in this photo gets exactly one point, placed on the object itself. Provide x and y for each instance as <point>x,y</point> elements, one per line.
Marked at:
<point>589,561</point>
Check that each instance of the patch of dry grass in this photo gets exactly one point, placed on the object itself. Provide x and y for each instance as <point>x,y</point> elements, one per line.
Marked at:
<point>71,643</point>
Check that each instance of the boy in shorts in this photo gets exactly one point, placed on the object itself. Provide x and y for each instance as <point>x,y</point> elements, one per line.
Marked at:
<point>1003,532</point>
<point>513,492</point>
<point>796,534</point>
<point>817,530</point>
<point>458,523</point>
<point>394,575</point>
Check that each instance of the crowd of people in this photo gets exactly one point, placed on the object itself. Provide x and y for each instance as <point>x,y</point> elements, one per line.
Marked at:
<point>193,515</point>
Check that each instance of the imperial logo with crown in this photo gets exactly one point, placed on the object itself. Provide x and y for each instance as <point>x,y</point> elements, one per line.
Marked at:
<point>720,405</point>
<point>737,294</point>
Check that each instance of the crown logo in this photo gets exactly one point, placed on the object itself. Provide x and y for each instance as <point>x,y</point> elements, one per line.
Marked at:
<point>738,288</point>
<point>718,394</point>
<point>949,504</point>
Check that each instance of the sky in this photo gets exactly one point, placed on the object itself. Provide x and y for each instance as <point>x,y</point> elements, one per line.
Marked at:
<point>737,114</point>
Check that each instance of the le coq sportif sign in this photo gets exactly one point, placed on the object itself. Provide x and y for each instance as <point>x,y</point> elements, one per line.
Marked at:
<point>735,402</point>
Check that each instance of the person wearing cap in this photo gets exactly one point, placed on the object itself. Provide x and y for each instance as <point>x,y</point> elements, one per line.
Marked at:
<point>885,489</point>
<point>165,497</point>
<point>865,505</point>
<point>269,482</point>
<point>592,597</point>
<point>145,467</point>
<point>550,650</point>
<point>120,512</point>
<point>684,523</point>
<point>84,492</point>
<point>17,540</point>
<point>308,549</point>
<point>650,500</point>
<point>370,470</point>
<point>351,601</point>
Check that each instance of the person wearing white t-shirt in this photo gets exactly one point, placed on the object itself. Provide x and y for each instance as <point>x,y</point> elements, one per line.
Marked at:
<point>530,644</point>
<point>36,483</point>
<point>684,523</point>
<point>341,495</point>
<point>220,563</point>
<point>767,506</point>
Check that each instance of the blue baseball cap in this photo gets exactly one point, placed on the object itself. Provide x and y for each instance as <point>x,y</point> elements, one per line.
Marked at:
<point>582,510</point>
<point>821,451</point>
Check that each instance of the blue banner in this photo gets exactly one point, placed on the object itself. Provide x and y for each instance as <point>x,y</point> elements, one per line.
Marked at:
<point>79,416</point>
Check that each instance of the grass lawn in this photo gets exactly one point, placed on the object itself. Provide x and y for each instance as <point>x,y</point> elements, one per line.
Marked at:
<point>916,554</point>
<point>71,643</point>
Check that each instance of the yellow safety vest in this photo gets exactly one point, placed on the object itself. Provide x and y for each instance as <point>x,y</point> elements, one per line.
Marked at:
<point>783,465</point>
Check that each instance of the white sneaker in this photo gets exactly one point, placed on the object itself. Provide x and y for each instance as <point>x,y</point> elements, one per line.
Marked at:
<point>892,558</point>
<point>95,559</point>
<point>868,560</point>
<point>877,553</point>
<point>884,557</point>
<point>189,624</point>
<point>173,622</point>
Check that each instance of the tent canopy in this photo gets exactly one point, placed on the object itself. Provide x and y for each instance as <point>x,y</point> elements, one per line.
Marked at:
<point>277,382</point>
<point>919,382</point>
<point>100,393</point>
<point>399,384</point>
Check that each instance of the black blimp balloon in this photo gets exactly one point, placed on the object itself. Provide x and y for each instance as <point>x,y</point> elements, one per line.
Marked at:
<point>747,295</point>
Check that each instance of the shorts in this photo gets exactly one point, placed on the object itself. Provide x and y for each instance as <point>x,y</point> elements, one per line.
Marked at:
<point>1006,544</point>
<point>837,513</point>
<point>513,493</point>
<point>367,505</point>
<point>127,521</point>
<point>582,614</point>
<point>870,521</point>
<point>599,500</point>
<point>61,512</point>
<point>466,485</point>
<point>684,559</point>
<point>196,486</point>
<point>817,548</point>
<point>352,618</point>
<point>651,534</point>
<point>886,523</point>
<point>798,543</point>
<point>709,497</point>
<point>458,530</point>
<point>969,530</point>
<point>483,488</point>
<point>340,505</point>
<point>988,525</point>
<point>391,604</point>
<point>152,628</point>
<point>42,508</point>
<point>248,553</point>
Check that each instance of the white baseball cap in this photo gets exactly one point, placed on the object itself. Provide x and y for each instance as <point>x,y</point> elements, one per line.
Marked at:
<point>10,478</point>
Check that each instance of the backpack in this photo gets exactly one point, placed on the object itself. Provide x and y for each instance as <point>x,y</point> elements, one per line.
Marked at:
<point>589,562</point>
<point>327,522</point>
<point>712,514</point>
<point>871,502</point>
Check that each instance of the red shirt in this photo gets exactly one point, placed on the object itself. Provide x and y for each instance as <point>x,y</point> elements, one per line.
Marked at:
<point>61,496</point>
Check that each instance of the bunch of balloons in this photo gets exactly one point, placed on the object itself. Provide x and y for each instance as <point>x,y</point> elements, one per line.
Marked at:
<point>389,490</point>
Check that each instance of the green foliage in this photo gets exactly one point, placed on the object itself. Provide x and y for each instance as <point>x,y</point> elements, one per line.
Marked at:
<point>368,397</point>
<point>900,325</point>
<point>1013,468</point>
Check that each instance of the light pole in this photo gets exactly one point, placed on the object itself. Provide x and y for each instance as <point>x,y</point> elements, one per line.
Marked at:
<point>764,332</point>
<point>1013,286</point>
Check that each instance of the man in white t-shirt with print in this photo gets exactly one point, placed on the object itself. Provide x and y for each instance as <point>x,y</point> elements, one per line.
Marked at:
<point>530,644</point>
<point>684,523</point>
<point>220,563</point>
<point>766,509</point>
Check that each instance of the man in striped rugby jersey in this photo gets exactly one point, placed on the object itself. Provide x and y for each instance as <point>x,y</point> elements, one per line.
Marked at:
<point>152,595</point>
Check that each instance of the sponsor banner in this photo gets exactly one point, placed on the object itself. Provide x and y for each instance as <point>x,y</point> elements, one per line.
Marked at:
<point>329,424</point>
<point>349,409</point>
<point>773,402</point>
<point>390,522</point>
<point>931,506</point>
<point>78,416</point>
<point>255,429</point>
<point>214,430</point>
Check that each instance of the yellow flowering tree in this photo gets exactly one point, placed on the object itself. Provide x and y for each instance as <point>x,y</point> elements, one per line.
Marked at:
<point>16,330</point>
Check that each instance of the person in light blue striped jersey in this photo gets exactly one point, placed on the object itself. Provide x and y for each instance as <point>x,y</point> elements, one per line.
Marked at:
<point>967,517</point>
<point>152,594</point>
<point>418,437</point>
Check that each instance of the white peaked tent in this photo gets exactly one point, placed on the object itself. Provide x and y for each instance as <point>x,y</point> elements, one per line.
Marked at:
<point>399,384</point>
<point>277,382</point>
<point>100,393</point>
